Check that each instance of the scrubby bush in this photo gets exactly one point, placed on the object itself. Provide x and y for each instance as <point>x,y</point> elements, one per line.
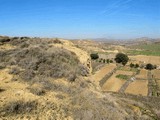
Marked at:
<point>2,65</point>
<point>57,41</point>
<point>14,71</point>
<point>35,57</point>
<point>37,90</point>
<point>94,56</point>
<point>20,107</point>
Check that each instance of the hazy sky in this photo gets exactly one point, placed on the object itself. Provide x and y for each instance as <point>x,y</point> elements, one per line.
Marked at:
<point>80,18</point>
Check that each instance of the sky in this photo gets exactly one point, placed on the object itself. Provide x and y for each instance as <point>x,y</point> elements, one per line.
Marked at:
<point>80,19</point>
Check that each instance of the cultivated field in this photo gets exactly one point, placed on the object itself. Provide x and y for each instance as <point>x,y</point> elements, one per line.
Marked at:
<point>156,74</point>
<point>138,87</point>
<point>146,59</point>
<point>113,84</point>
<point>142,74</point>
<point>102,72</point>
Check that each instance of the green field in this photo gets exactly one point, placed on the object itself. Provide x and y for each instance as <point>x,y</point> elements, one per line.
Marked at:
<point>151,49</point>
<point>124,77</point>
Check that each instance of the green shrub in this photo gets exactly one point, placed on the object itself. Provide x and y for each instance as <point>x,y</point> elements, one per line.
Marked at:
<point>131,65</point>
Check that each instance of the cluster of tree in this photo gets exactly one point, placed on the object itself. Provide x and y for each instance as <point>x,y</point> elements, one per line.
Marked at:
<point>134,65</point>
<point>122,58</point>
<point>95,56</point>
<point>101,60</point>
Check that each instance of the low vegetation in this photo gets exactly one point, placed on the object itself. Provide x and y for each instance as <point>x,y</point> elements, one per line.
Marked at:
<point>36,58</point>
<point>20,107</point>
<point>145,49</point>
<point>124,77</point>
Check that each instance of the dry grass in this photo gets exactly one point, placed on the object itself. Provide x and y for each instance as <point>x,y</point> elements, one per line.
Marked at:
<point>143,74</point>
<point>138,87</point>
<point>156,74</point>
<point>147,59</point>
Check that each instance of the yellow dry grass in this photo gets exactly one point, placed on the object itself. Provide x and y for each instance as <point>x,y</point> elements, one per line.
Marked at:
<point>143,74</point>
<point>17,91</point>
<point>6,47</point>
<point>113,84</point>
<point>13,90</point>
<point>156,74</point>
<point>146,59</point>
<point>138,87</point>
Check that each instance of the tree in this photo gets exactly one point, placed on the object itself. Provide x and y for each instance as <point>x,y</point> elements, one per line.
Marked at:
<point>111,61</point>
<point>136,65</point>
<point>131,65</point>
<point>149,66</point>
<point>122,58</point>
<point>104,61</point>
<point>94,56</point>
<point>108,61</point>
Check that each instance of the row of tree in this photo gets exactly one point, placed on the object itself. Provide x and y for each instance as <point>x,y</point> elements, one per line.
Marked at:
<point>123,59</point>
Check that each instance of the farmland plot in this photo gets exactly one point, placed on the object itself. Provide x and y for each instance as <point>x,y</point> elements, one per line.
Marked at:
<point>147,59</point>
<point>156,74</point>
<point>143,74</point>
<point>138,87</point>
<point>102,72</point>
<point>113,84</point>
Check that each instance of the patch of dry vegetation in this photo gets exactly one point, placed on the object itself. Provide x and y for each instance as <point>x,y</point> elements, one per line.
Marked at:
<point>41,59</point>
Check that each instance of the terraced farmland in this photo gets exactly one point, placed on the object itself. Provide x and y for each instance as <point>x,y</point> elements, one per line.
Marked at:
<point>113,84</point>
<point>142,74</point>
<point>102,72</point>
<point>156,74</point>
<point>138,87</point>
